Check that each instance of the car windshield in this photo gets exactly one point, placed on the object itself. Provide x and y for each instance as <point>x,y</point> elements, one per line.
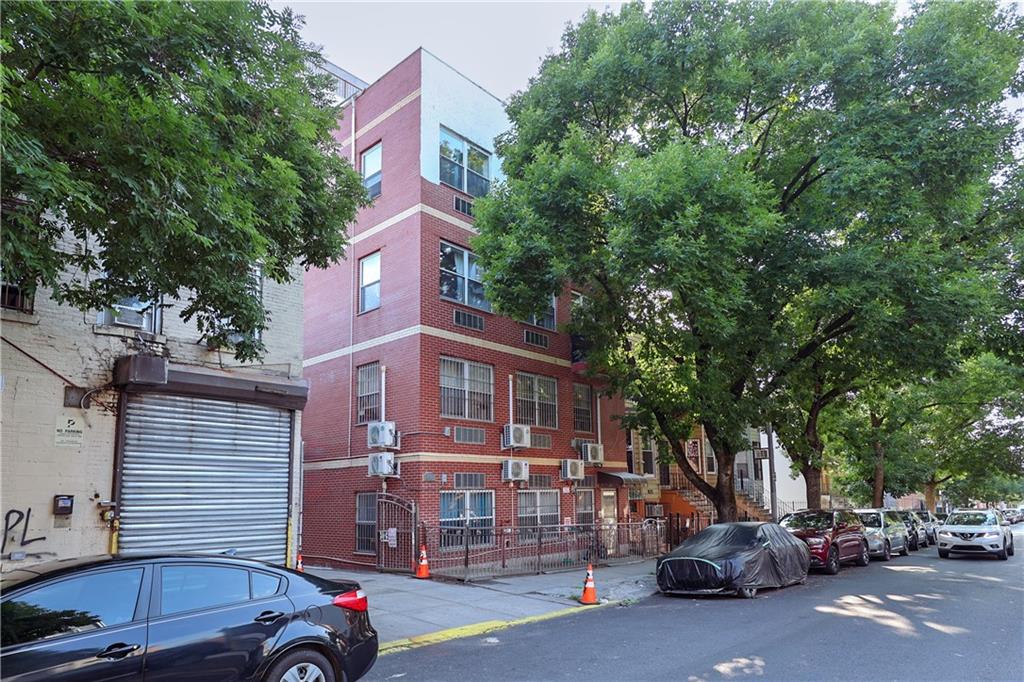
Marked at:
<point>971,519</point>
<point>809,521</point>
<point>871,519</point>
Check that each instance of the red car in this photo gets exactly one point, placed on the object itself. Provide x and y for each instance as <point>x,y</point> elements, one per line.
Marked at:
<point>833,536</point>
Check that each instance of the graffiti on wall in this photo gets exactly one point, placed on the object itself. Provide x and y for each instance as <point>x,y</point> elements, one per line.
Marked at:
<point>13,520</point>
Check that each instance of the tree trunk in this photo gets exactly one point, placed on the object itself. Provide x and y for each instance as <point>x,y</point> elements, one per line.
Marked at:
<point>725,494</point>
<point>878,482</point>
<point>812,482</point>
<point>930,494</point>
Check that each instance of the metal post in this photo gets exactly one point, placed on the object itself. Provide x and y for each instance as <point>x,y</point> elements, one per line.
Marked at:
<point>540,535</point>
<point>465,561</point>
<point>771,473</point>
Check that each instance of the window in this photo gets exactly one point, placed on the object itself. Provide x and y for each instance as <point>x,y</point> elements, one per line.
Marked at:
<point>467,516</point>
<point>132,312</point>
<point>582,407</point>
<point>470,480</point>
<point>467,389</point>
<point>13,297</point>
<point>647,456</point>
<point>536,400</point>
<point>545,319</point>
<point>584,506</point>
<point>369,282</point>
<point>368,393</point>
<point>184,588</point>
<point>535,338</point>
<point>540,440</point>
<point>538,508</point>
<point>88,602</point>
<point>371,166</point>
<point>540,480</point>
<point>366,523</point>
<point>468,320</point>
<point>461,277</point>
<point>264,585</point>
<point>464,165</point>
<point>468,434</point>
<point>710,463</point>
<point>630,464</point>
<point>579,301</point>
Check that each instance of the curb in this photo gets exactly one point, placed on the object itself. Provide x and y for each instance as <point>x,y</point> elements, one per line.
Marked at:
<point>481,628</point>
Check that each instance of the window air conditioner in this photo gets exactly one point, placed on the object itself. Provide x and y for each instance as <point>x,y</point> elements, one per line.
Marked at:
<point>572,469</point>
<point>381,435</point>
<point>515,470</point>
<point>515,436</point>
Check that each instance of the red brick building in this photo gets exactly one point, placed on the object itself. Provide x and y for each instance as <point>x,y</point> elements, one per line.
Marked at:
<point>400,332</point>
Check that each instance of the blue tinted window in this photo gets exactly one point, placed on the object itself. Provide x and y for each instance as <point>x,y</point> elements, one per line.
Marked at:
<point>264,585</point>
<point>184,588</point>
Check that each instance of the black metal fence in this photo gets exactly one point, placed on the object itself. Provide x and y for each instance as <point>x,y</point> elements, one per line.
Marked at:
<point>481,552</point>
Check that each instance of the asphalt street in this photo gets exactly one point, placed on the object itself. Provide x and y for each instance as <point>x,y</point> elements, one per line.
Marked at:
<point>914,618</point>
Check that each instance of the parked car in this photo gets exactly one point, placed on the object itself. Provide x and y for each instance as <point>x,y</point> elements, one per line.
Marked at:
<point>832,536</point>
<point>181,617</point>
<point>915,528</point>
<point>734,558</point>
<point>886,533</point>
<point>941,516</point>
<point>976,531</point>
<point>931,524</point>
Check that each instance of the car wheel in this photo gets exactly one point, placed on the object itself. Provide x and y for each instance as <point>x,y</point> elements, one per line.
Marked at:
<point>905,551</point>
<point>1002,554</point>
<point>923,543</point>
<point>301,665</point>
<point>913,543</point>
<point>1010,550</point>
<point>747,592</point>
<point>832,565</point>
<point>943,553</point>
<point>865,557</point>
<point>887,552</point>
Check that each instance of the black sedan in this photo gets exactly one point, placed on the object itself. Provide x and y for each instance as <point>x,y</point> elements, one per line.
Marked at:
<point>181,617</point>
<point>734,558</point>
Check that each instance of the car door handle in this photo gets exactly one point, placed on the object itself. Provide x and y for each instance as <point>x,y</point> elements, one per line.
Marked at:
<point>268,616</point>
<point>119,650</point>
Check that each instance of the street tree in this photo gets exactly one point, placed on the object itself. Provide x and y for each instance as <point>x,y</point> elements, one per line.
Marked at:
<point>736,187</point>
<point>155,148</point>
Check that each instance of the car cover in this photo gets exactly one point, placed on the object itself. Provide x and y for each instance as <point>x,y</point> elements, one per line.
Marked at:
<point>728,556</point>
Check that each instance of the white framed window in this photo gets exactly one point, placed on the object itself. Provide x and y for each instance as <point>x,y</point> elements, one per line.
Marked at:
<point>369,282</point>
<point>538,508</point>
<point>132,312</point>
<point>584,506</point>
<point>536,400</point>
<point>710,463</point>
<point>461,277</point>
<point>582,407</point>
<point>647,457</point>
<point>368,393</point>
<point>467,516</point>
<point>467,389</point>
<point>545,319</point>
<point>371,167</point>
<point>464,165</point>
<point>366,523</point>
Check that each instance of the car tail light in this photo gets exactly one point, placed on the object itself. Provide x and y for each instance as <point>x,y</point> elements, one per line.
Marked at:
<point>354,600</point>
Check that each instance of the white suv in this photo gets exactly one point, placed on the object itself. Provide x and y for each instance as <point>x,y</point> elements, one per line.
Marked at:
<point>975,531</point>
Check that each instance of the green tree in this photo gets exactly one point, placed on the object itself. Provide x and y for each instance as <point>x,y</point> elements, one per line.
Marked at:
<point>166,148</point>
<point>739,187</point>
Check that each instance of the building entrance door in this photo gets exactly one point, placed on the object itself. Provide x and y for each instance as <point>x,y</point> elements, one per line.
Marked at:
<point>609,517</point>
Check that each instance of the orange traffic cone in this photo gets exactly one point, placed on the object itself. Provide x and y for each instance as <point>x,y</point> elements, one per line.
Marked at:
<point>298,564</point>
<point>423,569</point>
<point>589,591</point>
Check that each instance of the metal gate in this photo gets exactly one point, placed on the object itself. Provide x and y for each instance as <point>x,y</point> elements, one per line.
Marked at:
<point>396,533</point>
<point>200,475</point>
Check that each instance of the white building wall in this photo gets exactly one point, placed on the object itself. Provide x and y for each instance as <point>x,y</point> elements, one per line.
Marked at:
<point>449,99</point>
<point>789,488</point>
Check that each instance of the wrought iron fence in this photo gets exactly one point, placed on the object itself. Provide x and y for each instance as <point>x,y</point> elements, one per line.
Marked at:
<point>476,553</point>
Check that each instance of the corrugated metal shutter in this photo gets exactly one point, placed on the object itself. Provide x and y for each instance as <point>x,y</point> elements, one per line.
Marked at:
<point>204,475</point>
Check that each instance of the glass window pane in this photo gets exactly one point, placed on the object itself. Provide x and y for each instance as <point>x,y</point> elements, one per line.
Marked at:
<point>451,147</point>
<point>476,185</point>
<point>369,297</point>
<point>75,605</point>
<point>478,161</point>
<point>453,259</point>
<point>369,269</point>
<point>475,296</point>
<point>451,173</point>
<point>453,287</point>
<point>475,271</point>
<point>264,585</point>
<point>184,588</point>
<point>372,161</point>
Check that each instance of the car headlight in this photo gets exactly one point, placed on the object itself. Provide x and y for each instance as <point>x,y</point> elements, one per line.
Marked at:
<point>945,534</point>
<point>992,534</point>
<point>815,542</point>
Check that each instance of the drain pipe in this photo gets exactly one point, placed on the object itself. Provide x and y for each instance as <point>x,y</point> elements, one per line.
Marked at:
<point>352,316</point>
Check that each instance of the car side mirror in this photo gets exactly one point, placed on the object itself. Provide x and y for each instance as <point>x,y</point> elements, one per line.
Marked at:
<point>1005,523</point>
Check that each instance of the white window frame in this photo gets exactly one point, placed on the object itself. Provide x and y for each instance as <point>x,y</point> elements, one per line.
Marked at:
<point>468,386</point>
<point>542,320</point>
<point>364,284</point>
<point>532,397</point>
<point>371,523</point>
<point>377,177</point>
<point>649,445</point>
<point>371,388</point>
<point>149,310</point>
<point>468,262</point>
<point>581,511</point>
<point>483,537</point>
<point>464,149</point>
<point>579,410</point>
<point>528,531</point>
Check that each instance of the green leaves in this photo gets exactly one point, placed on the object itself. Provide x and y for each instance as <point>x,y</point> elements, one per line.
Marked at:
<point>175,146</point>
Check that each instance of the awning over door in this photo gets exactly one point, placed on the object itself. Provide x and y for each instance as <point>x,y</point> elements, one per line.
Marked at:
<point>201,475</point>
<point>618,478</point>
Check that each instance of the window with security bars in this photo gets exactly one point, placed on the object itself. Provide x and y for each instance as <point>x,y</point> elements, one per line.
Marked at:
<point>582,407</point>
<point>13,297</point>
<point>368,393</point>
<point>584,506</point>
<point>467,389</point>
<point>536,400</point>
<point>540,481</point>
<point>366,523</point>
<point>467,480</point>
<point>467,434</point>
<point>467,517</point>
<point>540,440</point>
<point>539,511</point>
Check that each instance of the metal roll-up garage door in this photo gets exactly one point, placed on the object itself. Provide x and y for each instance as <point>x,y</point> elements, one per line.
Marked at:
<point>201,475</point>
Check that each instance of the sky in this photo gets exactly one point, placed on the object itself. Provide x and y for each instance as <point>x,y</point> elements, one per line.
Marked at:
<point>498,45</point>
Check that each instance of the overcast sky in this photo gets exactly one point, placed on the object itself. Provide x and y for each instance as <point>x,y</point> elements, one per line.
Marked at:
<point>498,45</point>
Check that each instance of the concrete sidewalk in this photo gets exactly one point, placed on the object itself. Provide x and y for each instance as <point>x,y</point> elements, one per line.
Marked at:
<point>408,612</point>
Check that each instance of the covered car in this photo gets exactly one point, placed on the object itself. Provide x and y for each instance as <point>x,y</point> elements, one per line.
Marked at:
<point>734,558</point>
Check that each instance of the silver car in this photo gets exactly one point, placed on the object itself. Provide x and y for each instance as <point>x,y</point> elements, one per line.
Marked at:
<point>885,531</point>
<point>931,524</point>
<point>975,531</point>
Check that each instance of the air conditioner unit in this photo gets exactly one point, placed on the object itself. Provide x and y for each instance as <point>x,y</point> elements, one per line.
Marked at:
<point>572,469</point>
<point>515,470</point>
<point>655,510</point>
<point>381,435</point>
<point>515,436</point>
<point>382,464</point>
<point>593,453</point>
